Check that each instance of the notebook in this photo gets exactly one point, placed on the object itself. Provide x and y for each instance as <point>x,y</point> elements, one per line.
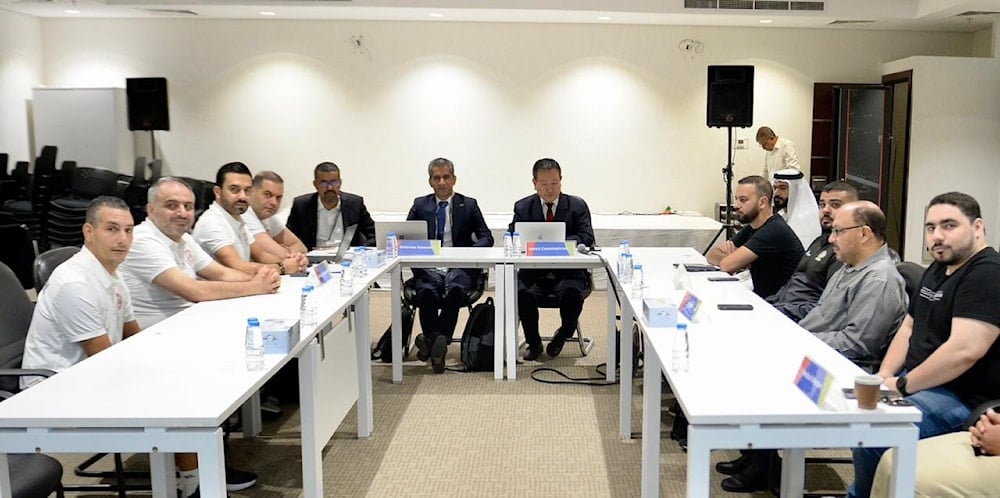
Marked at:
<point>405,230</point>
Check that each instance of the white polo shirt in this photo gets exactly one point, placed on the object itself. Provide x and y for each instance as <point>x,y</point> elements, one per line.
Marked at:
<point>273,226</point>
<point>217,229</point>
<point>153,253</point>
<point>80,301</point>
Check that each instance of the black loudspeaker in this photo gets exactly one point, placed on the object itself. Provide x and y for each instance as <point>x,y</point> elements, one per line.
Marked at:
<point>730,96</point>
<point>147,104</point>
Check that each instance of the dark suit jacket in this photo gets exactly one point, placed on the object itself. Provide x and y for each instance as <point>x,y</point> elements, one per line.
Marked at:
<point>302,219</point>
<point>466,220</point>
<point>570,209</point>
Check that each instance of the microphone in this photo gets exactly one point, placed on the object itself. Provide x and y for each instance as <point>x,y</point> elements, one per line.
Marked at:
<point>582,248</point>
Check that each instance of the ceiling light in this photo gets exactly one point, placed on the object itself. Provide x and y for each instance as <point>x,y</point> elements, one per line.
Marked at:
<point>71,11</point>
<point>436,14</point>
<point>603,18</point>
<point>766,21</point>
<point>267,13</point>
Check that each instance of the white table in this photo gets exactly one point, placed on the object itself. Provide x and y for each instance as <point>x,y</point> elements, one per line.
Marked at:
<point>449,257</point>
<point>738,392</point>
<point>168,389</point>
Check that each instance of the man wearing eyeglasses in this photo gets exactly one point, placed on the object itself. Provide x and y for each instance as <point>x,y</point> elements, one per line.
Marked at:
<point>320,219</point>
<point>865,301</point>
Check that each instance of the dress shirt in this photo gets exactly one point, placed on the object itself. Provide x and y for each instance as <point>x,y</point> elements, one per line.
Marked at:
<point>329,225</point>
<point>783,156</point>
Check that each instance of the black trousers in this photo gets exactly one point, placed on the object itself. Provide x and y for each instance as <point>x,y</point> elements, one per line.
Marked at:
<point>547,288</point>
<point>439,297</point>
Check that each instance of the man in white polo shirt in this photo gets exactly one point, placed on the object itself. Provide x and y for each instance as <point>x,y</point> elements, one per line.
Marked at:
<point>166,271</point>
<point>272,242</point>
<point>84,307</point>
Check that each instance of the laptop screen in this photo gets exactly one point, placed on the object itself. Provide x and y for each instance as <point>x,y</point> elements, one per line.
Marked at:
<point>405,230</point>
<point>540,231</point>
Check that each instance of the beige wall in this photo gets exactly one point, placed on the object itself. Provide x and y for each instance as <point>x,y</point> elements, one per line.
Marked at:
<point>20,71</point>
<point>619,106</point>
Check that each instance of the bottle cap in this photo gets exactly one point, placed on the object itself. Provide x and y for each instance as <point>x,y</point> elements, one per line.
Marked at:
<point>637,266</point>
<point>682,326</point>
<point>252,321</point>
<point>307,288</point>
<point>345,264</point>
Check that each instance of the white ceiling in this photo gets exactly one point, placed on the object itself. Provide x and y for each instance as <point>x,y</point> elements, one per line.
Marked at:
<point>922,15</point>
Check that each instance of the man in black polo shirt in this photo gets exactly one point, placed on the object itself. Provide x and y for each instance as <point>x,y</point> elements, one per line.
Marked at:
<point>766,244</point>
<point>945,357</point>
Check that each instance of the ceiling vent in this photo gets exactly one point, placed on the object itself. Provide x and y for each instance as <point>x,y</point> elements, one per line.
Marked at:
<point>849,21</point>
<point>976,13</point>
<point>171,12</point>
<point>768,5</point>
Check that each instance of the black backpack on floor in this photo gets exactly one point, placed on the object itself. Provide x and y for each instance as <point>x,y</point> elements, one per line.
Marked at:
<point>478,338</point>
<point>383,348</point>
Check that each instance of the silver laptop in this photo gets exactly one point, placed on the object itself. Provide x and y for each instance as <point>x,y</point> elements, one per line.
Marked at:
<point>540,231</point>
<point>328,254</point>
<point>405,230</point>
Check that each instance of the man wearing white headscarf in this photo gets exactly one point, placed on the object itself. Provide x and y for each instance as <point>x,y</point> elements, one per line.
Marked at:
<point>794,201</point>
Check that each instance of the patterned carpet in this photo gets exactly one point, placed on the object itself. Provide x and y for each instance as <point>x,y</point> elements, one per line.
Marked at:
<point>467,435</point>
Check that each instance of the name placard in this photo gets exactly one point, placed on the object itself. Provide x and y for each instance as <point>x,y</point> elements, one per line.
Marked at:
<point>689,306</point>
<point>322,271</point>
<point>419,247</point>
<point>813,380</point>
<point>547,248</point>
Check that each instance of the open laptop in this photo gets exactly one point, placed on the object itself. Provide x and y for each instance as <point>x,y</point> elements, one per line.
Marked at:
<point>335,254</point>
<point>405,230</point>
<point>540,231</point>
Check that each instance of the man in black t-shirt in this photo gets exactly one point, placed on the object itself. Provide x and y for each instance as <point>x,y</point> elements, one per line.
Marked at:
<point>766,244</point>
<point>945,357</point>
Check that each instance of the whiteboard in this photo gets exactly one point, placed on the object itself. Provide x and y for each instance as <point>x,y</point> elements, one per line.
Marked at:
<point>88,125</point>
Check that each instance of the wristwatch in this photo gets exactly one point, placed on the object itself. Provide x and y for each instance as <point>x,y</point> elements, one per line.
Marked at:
<point>901,385</point>
<point>281,267</point>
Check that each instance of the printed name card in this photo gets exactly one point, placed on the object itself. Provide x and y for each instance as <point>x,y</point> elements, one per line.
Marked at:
<point>419,247</point>
<point>689,306</point>
<point>547,248</point>
<point>813,380</point>
<point>322,271</point>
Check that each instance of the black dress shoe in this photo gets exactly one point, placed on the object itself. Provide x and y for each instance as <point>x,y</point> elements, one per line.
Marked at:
<point>423,349</point>
<point>733,467</point>
<point>753,477</point>
<point>438,351</point>
<point>533,352</point>
<point>555,346</point>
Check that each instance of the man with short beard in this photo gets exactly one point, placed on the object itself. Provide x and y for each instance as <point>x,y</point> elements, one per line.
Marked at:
<point>945,358</point>
<point>799,296</point>
<point>321,218</point>
<point>765,244</point>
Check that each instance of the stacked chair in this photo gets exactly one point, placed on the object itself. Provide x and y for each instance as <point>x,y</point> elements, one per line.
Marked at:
<point>46,183</point>
<point>138,187</point>
<point>67,214</point>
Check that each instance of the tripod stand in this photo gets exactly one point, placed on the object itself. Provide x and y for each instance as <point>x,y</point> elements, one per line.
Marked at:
<point>727,175</point>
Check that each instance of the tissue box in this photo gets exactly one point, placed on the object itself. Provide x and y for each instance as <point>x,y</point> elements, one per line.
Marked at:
<point>659,312</point>
<point>280,334</point>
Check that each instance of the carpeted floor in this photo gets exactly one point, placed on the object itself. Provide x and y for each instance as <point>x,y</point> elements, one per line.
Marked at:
<point>468,435</point>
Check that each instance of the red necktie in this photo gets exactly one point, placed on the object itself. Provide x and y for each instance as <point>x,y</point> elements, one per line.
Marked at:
<point>549,215</point>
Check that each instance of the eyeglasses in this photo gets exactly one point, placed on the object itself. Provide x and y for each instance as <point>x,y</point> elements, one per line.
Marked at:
<point>329,184</point>
<point>837,231</point>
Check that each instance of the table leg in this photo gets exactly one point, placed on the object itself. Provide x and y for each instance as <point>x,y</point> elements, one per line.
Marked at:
<point>510,320</point>
<point>162,474</point>
<point>397,321</point>
<point>612,327</point>
<point>251,416</point>
<point>499,320</point>
<point>625,376</point>
<point>699,461</point>
<point>212,467</point>
<point>793,472</point>
<point>904,467</point>
<point>5,491</point>
<point>651,427</point>
<point>362,334</point>
<point>312,447</point>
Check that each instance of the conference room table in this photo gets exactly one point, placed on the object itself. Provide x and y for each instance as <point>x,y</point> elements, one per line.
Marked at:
<point>169,388</point>
<point>739,389</point>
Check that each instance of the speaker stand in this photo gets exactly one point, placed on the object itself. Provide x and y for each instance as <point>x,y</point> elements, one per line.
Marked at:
<point>727,175</point>
<point>152,142</point>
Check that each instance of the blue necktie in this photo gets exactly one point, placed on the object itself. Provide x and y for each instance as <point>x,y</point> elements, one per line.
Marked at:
<point>442,217</point>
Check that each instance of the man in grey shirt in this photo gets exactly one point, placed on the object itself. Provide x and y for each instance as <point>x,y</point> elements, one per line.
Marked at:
<point>865,300</point>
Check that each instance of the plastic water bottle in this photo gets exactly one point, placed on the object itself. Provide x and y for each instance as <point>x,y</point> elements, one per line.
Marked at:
<point>346,279</point>
<point>626,276</point>
<point>516,244</point>
<point>254,345</point>
<point>622,251</point>
<point>681,349</point>
<point>508,244</point>
<point>308,316</point>
<point>360,268</point>
<point>637,280</point>
<point>391,251</point>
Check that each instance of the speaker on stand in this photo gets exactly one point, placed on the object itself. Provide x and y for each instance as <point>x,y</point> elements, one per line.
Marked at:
<point>730,104</point>
<point>147,106</point>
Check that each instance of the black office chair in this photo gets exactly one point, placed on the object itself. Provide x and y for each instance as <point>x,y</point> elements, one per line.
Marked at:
<point>31,475</point>
<point>18,252</point>
<point>550,302</point>
<point>47,261</point>
<point>912,273</point>
<point>409,296</point>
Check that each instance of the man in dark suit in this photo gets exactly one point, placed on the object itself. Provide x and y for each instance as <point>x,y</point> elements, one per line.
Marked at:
<point>550,204</point>
<point>456,221</point>
<point>320,219</point>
